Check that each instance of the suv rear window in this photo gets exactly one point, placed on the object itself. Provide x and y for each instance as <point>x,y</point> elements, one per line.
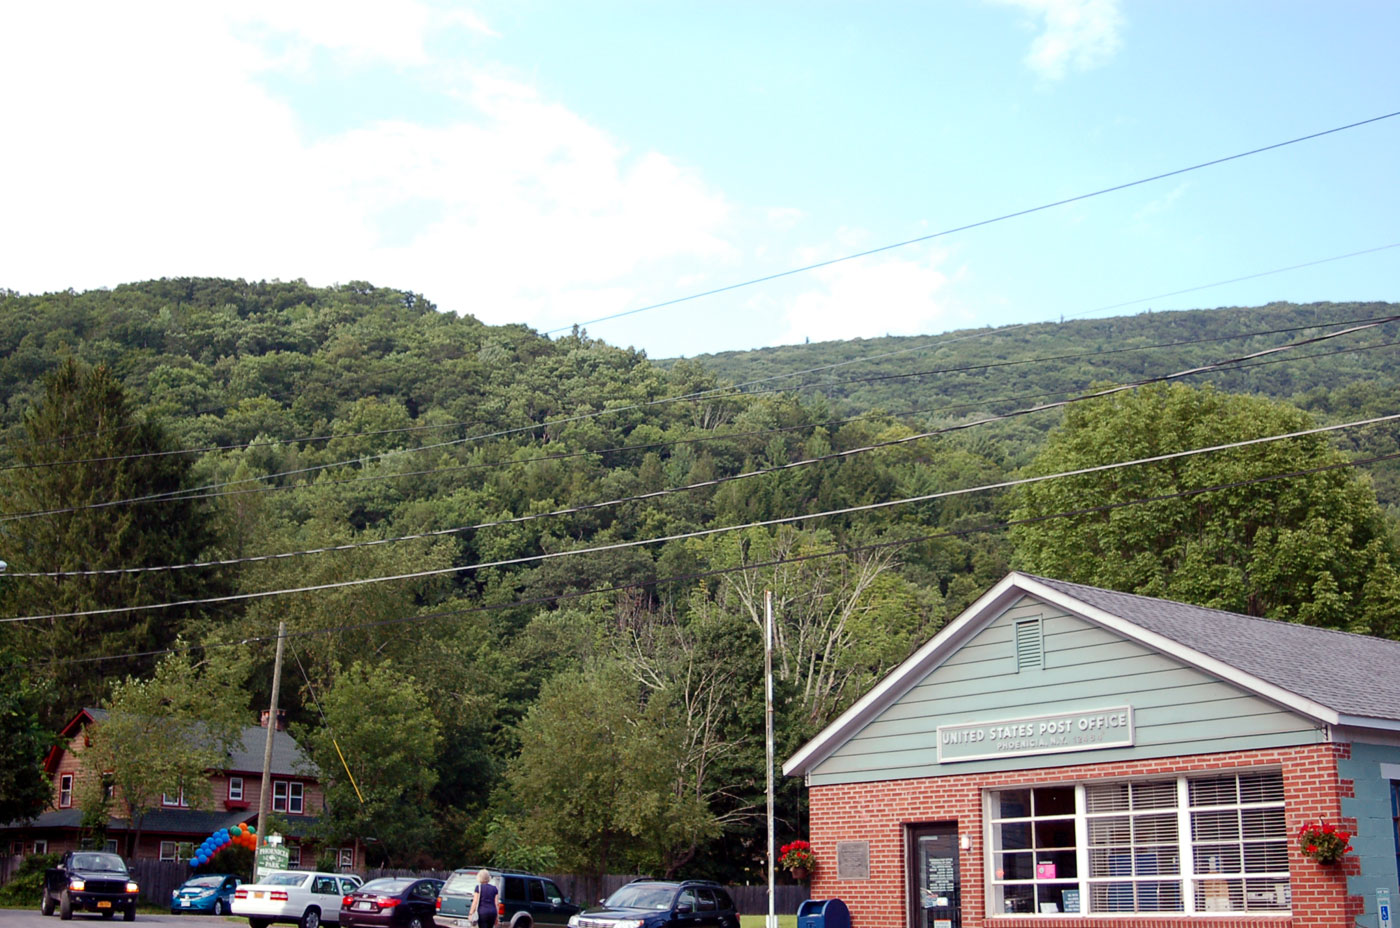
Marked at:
<point>515,888</point>
<point>707,900</point>
<point>724,901</point>
<point>464,883</point>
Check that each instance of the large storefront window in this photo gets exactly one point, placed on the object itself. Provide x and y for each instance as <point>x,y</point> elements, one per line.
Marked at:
<point>1189,844</point>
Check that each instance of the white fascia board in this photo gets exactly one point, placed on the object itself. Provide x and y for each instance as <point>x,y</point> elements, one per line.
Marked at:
<point>1213,666</point>
<point>904,677</point>
<point>1362,721</point>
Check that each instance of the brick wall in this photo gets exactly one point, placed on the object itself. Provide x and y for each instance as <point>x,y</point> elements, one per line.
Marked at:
<point>878,813</point>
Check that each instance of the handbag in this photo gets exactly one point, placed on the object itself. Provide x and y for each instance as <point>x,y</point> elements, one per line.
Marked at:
<point>472,919</point>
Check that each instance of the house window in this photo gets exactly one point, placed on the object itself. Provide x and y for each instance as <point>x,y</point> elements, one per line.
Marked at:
<point>1189,844</point>
<point>279,795</point>
<point>235,789</point>
<point>109,784</point>
<point>41,846</point>
<point>110,846</point>
<point>294,799</point>
<point>177,801</point>
<point>168,850</point>
<point>16,848</point>
<point>293,856</point>
<point>65,790</point>
<point>347,858</point>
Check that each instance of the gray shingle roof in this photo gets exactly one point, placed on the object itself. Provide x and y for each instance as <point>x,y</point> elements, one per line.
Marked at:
<point>1351,674</point>
<point>247,756</point>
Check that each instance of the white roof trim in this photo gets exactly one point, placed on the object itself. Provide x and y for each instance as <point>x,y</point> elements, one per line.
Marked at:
<point>904,677</point>
<point>900,680</point>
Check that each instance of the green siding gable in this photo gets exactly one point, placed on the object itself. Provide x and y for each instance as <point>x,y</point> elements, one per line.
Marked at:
<point>1177,708</point>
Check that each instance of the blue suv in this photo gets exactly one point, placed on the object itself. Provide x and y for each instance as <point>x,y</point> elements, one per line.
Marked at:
<point>663,904</point>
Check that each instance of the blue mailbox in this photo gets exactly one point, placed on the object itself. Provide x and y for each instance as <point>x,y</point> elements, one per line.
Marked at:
<point>823,913</point>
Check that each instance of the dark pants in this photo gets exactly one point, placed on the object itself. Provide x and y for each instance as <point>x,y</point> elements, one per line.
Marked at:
<point>486,918</point>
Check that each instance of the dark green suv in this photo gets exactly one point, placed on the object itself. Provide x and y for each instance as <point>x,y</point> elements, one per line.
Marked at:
<point>522,900</point>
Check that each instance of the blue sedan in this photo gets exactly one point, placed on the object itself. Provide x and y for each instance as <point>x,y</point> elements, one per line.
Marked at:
<point>211,893</point>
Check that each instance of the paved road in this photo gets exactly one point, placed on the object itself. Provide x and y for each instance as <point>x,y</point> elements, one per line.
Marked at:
<point>30,918</point>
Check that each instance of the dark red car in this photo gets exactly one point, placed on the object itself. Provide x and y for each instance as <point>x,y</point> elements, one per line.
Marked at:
<point>402,902</point>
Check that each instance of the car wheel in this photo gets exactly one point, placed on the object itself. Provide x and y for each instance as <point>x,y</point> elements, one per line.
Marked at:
<point>220,907</point>
<point>130,914</point>
<point>415,922</point>
<point>65,906</point>
<point>524,921</point>
<point>259,922</point>
<point>311,918</point>
<point>108,913</point>
<point>46,903</point>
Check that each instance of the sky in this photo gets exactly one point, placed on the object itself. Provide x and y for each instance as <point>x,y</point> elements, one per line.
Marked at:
<point>554,163</point>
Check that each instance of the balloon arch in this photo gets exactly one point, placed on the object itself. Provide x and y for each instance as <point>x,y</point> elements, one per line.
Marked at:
<point>236,836</point>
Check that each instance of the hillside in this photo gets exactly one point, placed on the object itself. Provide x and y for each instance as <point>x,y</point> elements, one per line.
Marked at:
<point>269,437</point>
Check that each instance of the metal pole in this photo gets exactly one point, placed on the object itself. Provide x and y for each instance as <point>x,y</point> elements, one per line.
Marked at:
<point>768,742</point>
<point>265,792</point>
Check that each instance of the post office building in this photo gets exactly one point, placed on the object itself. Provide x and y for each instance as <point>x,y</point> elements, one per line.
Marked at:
<point>1066,755</point>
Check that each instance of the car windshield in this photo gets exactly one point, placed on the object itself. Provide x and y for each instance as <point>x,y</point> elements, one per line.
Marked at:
<point>286,879</point>
<point>204,882</point>
<point>386,886</point>
<point>642,897</point>
<point>109,862</point>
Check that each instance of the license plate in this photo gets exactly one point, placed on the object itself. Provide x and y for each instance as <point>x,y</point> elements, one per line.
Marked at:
<point>257,895</point>
<point>184,902</point>
<point>104,905</point>
<point>362,905</point>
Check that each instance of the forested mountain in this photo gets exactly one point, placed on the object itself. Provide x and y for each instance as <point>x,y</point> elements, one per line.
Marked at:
<point>266,437</point>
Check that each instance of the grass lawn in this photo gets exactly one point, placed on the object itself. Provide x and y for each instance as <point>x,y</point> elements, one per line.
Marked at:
<point>758,921</point>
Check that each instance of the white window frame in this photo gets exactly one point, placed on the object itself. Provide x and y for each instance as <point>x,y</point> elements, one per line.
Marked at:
<point>293,856</point>
<point>169,850</point>
<point>345,857</point>
<point>111,846</point>
<point>65,790</point>
<point>296,798</point>
<point>41,845</point>
<point>178,802</point>
<point>235,793</point>
<point>1191,885</point>
<point>279,803</point>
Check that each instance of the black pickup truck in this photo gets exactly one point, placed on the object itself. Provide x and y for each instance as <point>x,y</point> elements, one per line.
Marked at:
<point>89,881</point>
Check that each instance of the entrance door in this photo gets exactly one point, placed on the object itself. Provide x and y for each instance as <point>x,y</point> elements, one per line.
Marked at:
<point>933,855</point>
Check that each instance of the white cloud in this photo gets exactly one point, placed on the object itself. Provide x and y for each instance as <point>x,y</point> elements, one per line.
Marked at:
<point>153,147</point>
<point>870,297</point>
<point>1082,34</point>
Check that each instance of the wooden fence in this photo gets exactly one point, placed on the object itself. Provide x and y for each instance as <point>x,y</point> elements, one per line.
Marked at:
<point>588,890</point>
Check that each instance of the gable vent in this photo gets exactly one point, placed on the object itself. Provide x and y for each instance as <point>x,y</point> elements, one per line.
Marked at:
<point>1030,645</point>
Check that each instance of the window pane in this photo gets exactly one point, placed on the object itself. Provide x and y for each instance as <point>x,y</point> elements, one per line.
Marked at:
<point>1054,800</point>
<point>1055,833</point>
<point>1018,899</point>
<point>1214,791</point>
<point>1218,858</point>
<point>1016,837</point>
<point>1261,787</point>
<point>1216,826</point>
<point>1107,797</point>
<point>1116,829</point>
<point>1014,803</point>
<point>1016,867</point>
<point>1154,829</point>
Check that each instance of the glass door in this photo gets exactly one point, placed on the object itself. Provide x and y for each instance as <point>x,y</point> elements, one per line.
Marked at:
<point>933,855</point>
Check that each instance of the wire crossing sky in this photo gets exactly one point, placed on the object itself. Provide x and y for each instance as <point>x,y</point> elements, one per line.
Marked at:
<point>619,181</point>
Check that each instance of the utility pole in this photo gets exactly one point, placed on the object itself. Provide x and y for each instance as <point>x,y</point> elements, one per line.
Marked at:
<point>768,743</point>
<point>265,793</point>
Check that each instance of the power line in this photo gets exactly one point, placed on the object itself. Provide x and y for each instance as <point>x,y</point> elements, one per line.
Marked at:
<point>704,533</point>
<point>972,225</point>
<point>757,565</point>
<point>573,510</point>
<point>195,493</point>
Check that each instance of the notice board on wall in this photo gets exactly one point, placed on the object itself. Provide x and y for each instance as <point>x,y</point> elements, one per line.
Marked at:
<point>853,860</point>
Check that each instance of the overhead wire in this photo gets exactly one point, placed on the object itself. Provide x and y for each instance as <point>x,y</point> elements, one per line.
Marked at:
<point>754,565</point>
<point>792,465</point>
<point>703,533</point>
<point>973,225</point>
<point>196,492</point>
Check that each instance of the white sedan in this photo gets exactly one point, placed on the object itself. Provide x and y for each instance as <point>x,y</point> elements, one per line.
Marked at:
<point>294,896</point>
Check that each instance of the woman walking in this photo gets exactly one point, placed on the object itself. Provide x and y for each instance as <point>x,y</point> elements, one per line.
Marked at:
<point>483,911</point>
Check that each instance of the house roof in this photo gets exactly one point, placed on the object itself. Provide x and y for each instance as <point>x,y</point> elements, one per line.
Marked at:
<point>288,759</point>
<point>157,821</point>
<point>1330,676</point>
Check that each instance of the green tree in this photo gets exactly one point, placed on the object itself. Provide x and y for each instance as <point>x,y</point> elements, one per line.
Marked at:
<point>162,736</point>
<point>25,790</point>
<point>1306,548</point>
<point>378,719</point>
<point>84,415</point>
